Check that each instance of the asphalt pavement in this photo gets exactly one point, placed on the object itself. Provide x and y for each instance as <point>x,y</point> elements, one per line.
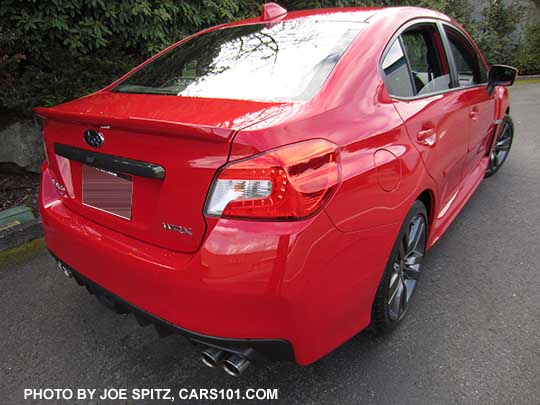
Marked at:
<point>471,336</point>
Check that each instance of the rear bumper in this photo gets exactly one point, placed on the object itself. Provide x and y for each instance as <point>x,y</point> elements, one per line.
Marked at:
<point>253,349</point>
<point>206,293</point>
<point>304,284</point>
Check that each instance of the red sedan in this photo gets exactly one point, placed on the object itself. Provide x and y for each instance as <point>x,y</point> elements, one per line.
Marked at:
<point>269,188</point>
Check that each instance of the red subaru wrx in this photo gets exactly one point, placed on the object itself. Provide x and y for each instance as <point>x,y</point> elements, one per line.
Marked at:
<point>269,188</point>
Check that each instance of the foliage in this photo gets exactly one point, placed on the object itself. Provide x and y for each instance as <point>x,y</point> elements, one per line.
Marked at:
<point>55,50</point>
<point>528,56</point>
<point>83,26</point>
<point>458,9</point>
<point>494,35</point>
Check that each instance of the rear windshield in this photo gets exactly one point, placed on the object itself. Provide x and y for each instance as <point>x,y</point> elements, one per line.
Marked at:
<point>287,61</point>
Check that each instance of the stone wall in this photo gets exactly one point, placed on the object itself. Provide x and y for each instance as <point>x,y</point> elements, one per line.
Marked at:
<point>21,147</point>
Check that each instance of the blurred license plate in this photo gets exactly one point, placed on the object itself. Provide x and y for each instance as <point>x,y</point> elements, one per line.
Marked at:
<point>106,191</point>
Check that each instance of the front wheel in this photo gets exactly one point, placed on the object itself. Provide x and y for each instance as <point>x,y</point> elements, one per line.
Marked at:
<point>502,146</point>
<point>400,278</point>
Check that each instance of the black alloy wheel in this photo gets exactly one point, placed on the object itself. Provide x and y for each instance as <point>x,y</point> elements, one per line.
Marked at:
<point>400,278</point>
<point>502,146</point>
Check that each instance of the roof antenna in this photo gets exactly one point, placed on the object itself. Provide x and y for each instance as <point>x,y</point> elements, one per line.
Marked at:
<point>272,11</point>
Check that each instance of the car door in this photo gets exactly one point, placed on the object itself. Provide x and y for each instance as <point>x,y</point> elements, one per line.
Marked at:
<point>417,75</point>
<point>474,97</point>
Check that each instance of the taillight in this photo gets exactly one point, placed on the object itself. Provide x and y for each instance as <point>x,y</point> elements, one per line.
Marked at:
<point>290,182</point>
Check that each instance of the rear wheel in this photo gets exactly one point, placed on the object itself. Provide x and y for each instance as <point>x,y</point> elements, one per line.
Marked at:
<point>502,146</point>
<point>402,272</point>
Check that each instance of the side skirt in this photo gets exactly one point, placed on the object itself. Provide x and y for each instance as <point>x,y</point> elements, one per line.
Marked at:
<point>448,213</point>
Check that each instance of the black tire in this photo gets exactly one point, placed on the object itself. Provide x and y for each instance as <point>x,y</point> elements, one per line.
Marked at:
<point>384,318</point>
<point>501,150</point>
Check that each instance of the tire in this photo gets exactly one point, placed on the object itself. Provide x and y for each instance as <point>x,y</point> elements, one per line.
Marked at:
<point>501,150</point>
<point>400,273</point>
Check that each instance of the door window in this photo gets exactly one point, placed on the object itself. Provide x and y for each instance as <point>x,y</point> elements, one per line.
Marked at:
<point>396,71</point>
<point>429,68</point>
<point>416,64</point>
<point>469,68</point>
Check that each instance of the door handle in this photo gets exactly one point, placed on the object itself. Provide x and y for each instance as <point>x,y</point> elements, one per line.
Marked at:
<point>473,114</point>
<point>427,137</point>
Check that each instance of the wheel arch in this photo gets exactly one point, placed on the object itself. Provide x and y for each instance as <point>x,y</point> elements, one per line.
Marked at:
<point>428,199</point>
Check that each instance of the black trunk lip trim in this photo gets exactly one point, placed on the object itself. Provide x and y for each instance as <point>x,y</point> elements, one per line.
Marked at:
<point>110,162</point>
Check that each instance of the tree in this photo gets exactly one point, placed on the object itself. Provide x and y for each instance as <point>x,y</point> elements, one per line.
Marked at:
<point>528,55</point>
<point>494,35</point>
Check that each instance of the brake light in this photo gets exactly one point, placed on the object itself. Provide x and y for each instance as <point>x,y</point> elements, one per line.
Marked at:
<point>290,182</point>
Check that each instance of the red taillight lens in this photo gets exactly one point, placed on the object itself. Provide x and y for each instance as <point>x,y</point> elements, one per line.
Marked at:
<point>290,182</point>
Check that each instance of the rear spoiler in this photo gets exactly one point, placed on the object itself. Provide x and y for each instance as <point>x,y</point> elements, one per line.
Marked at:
<point>144,125</point>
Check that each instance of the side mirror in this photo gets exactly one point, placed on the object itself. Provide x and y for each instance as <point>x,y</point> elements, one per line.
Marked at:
<point>501,75</point>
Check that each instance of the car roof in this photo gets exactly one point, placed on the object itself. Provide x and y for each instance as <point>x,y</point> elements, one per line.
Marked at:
<point>349,14</point>
<point>352,14</point>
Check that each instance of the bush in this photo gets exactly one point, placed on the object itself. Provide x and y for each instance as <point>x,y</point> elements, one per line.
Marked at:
<point>528,56</point>
<point>55,50</point>
<point>494,35</point>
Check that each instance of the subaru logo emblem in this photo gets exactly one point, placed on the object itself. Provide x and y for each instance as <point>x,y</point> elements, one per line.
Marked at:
<point>93,138</point>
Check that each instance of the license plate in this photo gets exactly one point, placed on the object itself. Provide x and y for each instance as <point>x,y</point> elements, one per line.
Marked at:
<point>107,191</point>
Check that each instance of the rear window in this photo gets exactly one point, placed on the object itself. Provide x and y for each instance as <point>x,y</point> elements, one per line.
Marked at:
<point>287,61</point>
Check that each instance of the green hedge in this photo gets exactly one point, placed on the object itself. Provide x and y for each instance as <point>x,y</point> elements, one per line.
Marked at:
<point>55,50</point>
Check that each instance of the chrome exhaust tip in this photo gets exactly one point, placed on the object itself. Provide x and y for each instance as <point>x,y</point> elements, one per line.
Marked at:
<point>67,272</point>
<point>212,357</point>
<point>236,365</point>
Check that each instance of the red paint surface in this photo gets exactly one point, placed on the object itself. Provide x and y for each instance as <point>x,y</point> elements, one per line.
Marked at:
<point>311,282</point>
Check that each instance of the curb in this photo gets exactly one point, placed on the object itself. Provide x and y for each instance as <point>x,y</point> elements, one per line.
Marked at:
<point>20,234</point>
<point>529,77</point>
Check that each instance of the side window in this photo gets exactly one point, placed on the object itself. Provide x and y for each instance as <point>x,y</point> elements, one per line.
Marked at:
<point>396,72</point>
<point>428,63</point>
<point>469,68</point>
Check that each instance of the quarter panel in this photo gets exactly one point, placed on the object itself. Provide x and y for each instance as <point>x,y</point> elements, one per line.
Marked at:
<point>361,202</point>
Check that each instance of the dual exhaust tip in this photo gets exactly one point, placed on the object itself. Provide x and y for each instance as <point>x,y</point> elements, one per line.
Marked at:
<point>233,364</point>
<point>67,272</point>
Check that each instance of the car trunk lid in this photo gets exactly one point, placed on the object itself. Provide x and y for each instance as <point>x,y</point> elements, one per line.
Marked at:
<point>150,176</point>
